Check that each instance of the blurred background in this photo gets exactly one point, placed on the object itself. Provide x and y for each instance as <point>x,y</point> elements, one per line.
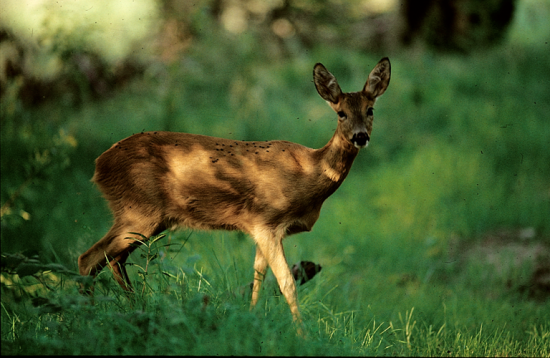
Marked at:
<point>457,173</point>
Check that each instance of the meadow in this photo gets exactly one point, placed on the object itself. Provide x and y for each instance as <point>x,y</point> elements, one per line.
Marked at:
<point>437,243</point>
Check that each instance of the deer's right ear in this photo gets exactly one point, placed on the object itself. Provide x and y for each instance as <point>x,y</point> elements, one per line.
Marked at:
<point>326,84</point>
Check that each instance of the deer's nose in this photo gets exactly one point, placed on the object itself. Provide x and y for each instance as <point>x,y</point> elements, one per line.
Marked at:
<point>360,140</point>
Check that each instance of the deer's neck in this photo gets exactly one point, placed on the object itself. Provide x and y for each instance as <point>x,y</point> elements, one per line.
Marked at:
<point>336,158</point>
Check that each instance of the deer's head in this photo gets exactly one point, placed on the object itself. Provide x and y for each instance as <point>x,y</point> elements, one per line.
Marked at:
<point>354,109</point>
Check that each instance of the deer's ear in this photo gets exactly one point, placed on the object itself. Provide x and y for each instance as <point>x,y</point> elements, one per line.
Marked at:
<point>379,78</point>
<point>326,84</point>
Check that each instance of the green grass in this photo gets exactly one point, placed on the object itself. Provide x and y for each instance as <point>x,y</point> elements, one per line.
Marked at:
<point>420,247</point>
<point>376,312</point>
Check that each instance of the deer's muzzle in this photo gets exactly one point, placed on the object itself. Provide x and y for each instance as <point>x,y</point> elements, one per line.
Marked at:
<point>360,140</point>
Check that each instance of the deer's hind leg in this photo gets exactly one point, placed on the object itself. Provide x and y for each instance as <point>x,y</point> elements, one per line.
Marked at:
<point>115,247</point>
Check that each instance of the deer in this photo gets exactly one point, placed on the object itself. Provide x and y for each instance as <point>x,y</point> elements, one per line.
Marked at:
<point>157,181</point>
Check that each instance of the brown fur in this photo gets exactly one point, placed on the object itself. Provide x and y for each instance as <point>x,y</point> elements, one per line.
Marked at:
<point>159,180</point>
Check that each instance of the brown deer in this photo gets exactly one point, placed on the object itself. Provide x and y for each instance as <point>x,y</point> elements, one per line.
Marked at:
<point>160,180</point>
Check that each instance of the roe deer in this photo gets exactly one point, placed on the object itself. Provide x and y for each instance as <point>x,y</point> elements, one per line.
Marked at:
<point>159,180</point>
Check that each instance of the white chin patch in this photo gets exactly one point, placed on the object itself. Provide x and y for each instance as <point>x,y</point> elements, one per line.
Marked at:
<point>361,146</point>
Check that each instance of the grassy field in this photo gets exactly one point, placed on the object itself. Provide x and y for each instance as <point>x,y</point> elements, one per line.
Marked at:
<point>437,244</point>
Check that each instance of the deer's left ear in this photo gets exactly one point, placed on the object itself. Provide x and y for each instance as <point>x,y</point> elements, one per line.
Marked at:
<point>379,78</point>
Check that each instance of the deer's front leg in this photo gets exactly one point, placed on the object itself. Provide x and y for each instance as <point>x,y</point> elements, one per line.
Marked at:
<point>272,251</point>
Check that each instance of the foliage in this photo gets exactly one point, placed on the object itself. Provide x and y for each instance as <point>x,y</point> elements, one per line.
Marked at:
<point>460,26</point>
<point>115,31</point>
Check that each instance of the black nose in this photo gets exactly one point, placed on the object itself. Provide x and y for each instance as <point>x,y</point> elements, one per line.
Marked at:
<point>360,139</point>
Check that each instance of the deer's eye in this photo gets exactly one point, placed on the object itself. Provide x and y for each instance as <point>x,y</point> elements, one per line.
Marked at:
<point>370,112</point>
<point>341,114</point>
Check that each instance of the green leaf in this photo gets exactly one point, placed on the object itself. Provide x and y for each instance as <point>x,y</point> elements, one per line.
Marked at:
<point>166,273</point>
<point>28,268</point>
<point>157,238</point>
<point>57,268</point>
<point>138,234</point>
<point>11,261</point>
